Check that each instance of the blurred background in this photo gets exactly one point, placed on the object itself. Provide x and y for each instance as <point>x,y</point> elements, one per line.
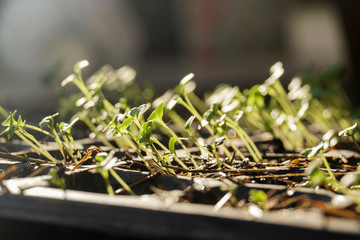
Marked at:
<point>227,41</point>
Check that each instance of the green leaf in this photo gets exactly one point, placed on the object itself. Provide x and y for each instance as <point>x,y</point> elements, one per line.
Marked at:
<point>257,196</point>
<point>350,131</point>
<point>219,141</point>
<point>123,128</point>
<point>106,160</point>
<point>137,111</point>
<point>9,120</point>
<point>64,128</point>
<point>208,116</point>
<point>220,127</point>
<point>189,123</point>
<point>146,133</point>
<point>12,125</point>
<point>145,136</point>
<point>99,157</point>
<point>172,142</point>
<point>80,65</point>
<point>48,121</point>
<point>311,152</point>
<point>215,108</point>
<point>186,79</point>
<point>306,152</point>
<point>68,80</point>
<point>157,114</point>
<point>317,176</point>
<point>172,102</point>
<point>56,179</point>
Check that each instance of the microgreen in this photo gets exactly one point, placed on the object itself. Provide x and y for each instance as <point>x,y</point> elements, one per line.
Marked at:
<point>350,131</point>
<point>17,127</point>
<point>259,198</point>
<point>156,117</point>
<point>106,163</point>
<point>221,117</point>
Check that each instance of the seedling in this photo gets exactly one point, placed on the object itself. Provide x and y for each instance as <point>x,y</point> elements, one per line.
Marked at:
<point>318,177</point>
<point>105,166</point>
<point>17,127</point>
<point>156,117</point>
<point>212,148</point>
<point>259,198</point>
<point>350,132</point>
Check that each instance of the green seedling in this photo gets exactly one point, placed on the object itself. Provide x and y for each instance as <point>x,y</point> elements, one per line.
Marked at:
<point>259,198</point>
<point>156,117</point>
<point>177,99</point>
<point>17,127</point>
<point>106,163</point>
<point>188,128</point>
<point>220,126</point>
<point>48,122</point>
<point>95,107</point>
<point>350,132</point>
<point>212,148</point>
<point>65,134</point>
<point>57,175</point>
<point>120,126</point>
<point>317,177</point>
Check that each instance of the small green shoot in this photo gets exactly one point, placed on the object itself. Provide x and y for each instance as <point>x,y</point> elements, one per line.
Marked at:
<point>350,132</point>
<point>259,198</point>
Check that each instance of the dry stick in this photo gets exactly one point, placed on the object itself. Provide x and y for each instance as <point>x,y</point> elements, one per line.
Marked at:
<point>293,175</point>
<point>251,171</point>
<point>21,158</point>
<point>223,170</point>
<point>7,173</point>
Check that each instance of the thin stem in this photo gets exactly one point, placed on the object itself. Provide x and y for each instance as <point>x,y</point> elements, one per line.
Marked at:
<point>247,140</point>
<point>105,175</point>
<point>58,142</point>
<point>121,181</point>
<point>92,127</point>
<point>327,166</point>
<point>167,150</point>
<point>194,112</point>
<point>334,182</point>
<point>41,151</point>
<point>38,129</point>
<point>79,82</point>
<point>355,142</point>
<point>180,142</point>
<point>139,152</point>
<point>241,155</point>
<point>216,157</point>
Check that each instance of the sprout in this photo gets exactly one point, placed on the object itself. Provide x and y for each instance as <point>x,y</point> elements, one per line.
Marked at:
<point>259,198</point>
<point>80,65</point>
<point>350,131</point>
<point>186,79</point>
<point>67,80</point>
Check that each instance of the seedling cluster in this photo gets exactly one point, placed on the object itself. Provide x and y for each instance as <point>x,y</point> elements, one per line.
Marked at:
<point>162,131</point>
